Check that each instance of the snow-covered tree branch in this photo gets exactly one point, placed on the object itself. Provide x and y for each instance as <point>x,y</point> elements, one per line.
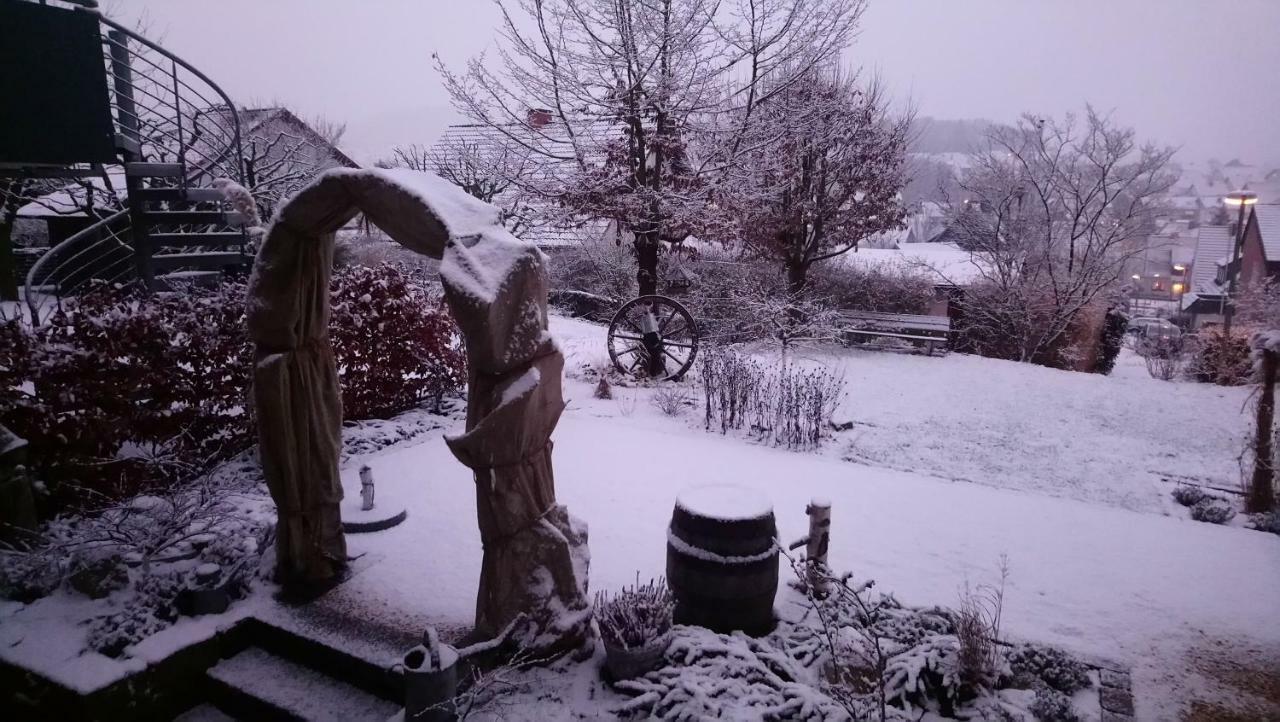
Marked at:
<point>628,93</point>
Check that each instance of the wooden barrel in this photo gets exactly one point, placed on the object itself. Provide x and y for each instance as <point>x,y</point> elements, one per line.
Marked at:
<point>722,560</point>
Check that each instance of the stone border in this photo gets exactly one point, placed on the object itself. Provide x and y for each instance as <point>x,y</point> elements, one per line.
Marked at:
<point>1115,692</point>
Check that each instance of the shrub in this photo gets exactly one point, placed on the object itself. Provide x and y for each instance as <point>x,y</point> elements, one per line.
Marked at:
<point>783,404</point>
<point>1188,495</point>
<point>1222,359</point>
<point>1213,510</point>
<point>1163,358</point>
<point>1269,521</point>
<point>153,608</point>
<point>119,392</point>
<point>1033,665</point>
<point>1050,705</point>
<point>894,290</point>
<point>635,616</point>
<point>672,400</point>
<point>1114,325</point>
<point>394,344</point>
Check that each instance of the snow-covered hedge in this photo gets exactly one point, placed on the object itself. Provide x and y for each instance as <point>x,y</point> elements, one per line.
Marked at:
<point>1221,359</point>
<point>395,344</point>
<point>119,391</point>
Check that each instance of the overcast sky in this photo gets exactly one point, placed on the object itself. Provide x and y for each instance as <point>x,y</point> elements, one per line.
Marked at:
<point>1195,73</point>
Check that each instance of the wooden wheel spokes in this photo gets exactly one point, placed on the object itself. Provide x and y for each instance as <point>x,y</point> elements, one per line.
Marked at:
<point>653,337</point>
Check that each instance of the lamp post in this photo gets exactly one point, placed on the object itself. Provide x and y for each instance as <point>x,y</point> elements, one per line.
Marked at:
<point>1241,199</point>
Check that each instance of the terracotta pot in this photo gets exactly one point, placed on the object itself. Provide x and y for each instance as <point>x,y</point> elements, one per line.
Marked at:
<point>630,663</point>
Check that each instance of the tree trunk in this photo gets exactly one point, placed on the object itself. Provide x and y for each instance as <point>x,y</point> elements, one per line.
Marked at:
<point>797,278</point>
<point>646,245</point>
<point>1261,492</point>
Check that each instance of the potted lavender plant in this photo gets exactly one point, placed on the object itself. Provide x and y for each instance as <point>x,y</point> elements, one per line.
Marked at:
<point>635,625</point>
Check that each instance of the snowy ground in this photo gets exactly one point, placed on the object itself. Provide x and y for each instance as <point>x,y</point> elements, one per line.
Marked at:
<point>1154,591</point>
<point>1067,469</point>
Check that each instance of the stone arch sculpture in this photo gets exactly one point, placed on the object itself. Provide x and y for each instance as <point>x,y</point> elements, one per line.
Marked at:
<point>535,554</point>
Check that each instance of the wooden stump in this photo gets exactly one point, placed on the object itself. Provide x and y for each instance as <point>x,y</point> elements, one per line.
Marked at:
<point>722,560</point>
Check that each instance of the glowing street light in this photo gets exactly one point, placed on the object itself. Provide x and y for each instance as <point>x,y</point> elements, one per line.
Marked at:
<point>1241,199</point>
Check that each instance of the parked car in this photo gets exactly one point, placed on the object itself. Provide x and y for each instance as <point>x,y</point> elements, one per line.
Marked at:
<point>1160,331</point>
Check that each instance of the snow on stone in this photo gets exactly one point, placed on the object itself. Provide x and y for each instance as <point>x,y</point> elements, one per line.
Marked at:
<point>724,501</point>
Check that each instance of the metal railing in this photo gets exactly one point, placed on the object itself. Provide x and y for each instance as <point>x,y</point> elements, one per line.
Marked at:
<point>165,111</point>
<point>100,252</point>
<point>171,110</point>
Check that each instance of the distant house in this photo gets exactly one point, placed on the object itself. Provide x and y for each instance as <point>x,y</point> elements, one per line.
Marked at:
<point>1212,266</point>
<point>1260,252</point>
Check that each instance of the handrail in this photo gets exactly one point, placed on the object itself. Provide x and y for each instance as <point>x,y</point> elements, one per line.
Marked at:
<point>39,275</point>
<point>234,150</point>
<point>207,142</point>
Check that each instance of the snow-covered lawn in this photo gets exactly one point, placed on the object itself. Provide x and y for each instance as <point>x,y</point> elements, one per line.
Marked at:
<point>1067,469</point>
<point>1144,589</point>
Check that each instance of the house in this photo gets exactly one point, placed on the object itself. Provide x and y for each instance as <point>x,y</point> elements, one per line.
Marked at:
<point>1213,265</point>
<point>1260,251</point>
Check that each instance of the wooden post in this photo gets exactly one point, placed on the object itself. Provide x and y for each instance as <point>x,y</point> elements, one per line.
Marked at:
<point>819,540</point>
<point>1261,492</point>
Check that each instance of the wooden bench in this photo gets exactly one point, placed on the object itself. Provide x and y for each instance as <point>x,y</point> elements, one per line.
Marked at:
<point>932,332</point>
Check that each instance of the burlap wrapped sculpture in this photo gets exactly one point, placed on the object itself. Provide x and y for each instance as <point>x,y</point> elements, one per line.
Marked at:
<point>535,554</point>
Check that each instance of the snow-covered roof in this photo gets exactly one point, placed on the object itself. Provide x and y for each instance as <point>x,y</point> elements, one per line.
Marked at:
<point>1267,217</point>
<point>947,264</point>
<point>1212,244</point>
<point>70,200</point>
<point>540,153</point>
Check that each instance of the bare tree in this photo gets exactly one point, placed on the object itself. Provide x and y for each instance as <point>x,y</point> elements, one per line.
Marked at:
<point>626,87</point>
<point>825,171</point>
<point>1054,211</point>
<point>499,174</point>
<point>283,154</point>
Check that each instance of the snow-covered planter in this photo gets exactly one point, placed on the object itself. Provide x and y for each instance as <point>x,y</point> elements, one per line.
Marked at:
<point>635,626</point>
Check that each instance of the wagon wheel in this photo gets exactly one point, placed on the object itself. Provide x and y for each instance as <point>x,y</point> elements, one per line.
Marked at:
<point>653,337</point>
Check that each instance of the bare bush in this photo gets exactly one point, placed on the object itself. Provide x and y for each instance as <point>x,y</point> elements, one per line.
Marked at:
<point>672,400</point>
<point>783,404</point>
<point>1163,358</point>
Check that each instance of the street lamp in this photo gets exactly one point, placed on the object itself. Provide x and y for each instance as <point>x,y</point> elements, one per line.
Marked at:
<point>1242,199</point>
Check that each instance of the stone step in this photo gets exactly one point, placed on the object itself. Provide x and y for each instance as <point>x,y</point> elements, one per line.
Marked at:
<point>198,261</point>
<point>204,713</point>
<point>258,685</point>
<point>153,170</point>
<point>214,239</point>
<point>179,195</point>
<point>179,218</point>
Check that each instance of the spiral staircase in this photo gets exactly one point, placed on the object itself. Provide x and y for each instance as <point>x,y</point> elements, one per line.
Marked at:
<point>175,133</point>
